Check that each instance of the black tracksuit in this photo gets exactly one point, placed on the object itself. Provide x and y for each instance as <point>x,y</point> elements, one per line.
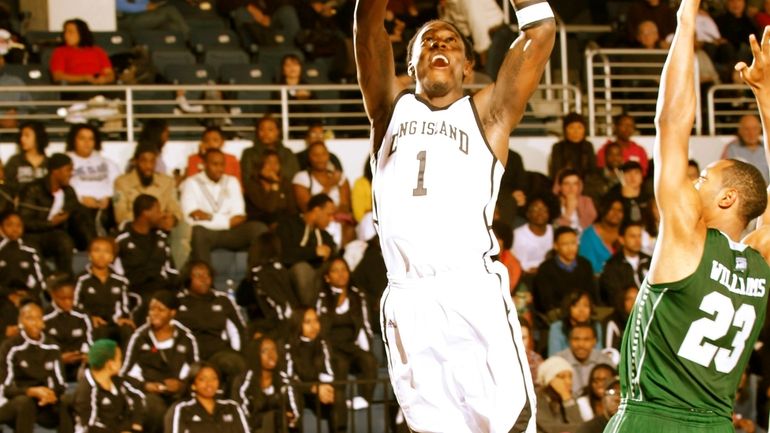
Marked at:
<point>107,300</point>
<point>214,320</point>
<point>98,410</point>
<point>618,275</point>
<point>146,362</point>
<point>299,242</point>
<point>190,417</point>
<point>71,331</point>
<point>258,403</point>
<point>269,298</point>
<point>21,263</point>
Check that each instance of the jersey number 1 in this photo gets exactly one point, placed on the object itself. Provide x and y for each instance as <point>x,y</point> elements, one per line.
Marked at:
<point>421,190</point>
<point>702,352</point>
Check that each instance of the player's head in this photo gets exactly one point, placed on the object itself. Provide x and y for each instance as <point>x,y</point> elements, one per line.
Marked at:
<point>438,58</point>
<point>733,187</point>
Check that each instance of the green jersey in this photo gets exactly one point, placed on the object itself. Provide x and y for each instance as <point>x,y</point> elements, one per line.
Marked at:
<point>687,343</point>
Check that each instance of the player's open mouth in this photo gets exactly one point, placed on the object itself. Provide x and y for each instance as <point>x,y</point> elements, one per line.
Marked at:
<point>439,61</point>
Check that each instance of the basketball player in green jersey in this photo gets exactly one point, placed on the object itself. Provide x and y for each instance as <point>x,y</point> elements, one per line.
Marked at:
<point>701,307</point>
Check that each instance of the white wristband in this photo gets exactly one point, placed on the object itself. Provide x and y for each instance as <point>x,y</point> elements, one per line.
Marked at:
<point>532,14</point>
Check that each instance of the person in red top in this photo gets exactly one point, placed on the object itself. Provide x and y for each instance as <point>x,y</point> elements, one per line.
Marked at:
<point>625,127</point>
<point>78,60</point>
<point>212,138</point>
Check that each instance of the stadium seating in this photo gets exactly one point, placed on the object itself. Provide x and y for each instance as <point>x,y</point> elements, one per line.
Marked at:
<point>231,56</point>
<point>163,58</point>
<point>205,39</point>
<point>159,39</point>
<point>113,42</point>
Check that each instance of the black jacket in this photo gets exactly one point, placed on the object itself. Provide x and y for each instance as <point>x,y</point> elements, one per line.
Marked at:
<point>214,320</point>
<point>108,300</point>
<point>147,360</point>
<point>299,242</point>
<point>307,362</point>
<point>25,363</point>
<point>618,275</point>
<point>256,401</point>
<point>71,331</point>
<point>20,262</point>
<point>342,329</point>
<point>552,283</point>
<point>98,410</point>
<point>190,417</point>
<point>35,201</point>
<point>269,298</point>
<point>146,261</point>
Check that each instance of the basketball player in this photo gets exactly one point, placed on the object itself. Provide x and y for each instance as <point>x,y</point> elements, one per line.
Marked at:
<point>456,360</point>
<point>702,305</point>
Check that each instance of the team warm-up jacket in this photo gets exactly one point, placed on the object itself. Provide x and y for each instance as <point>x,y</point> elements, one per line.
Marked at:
<point>274,296</point>
<point>146,261</point>
<point>214,320</point>
<point>21,263</point>
<point>190,417</point>
<point>26,363</point>
<point>100,411</point>
<point>255,400</point>
<point>345,326</point>
<point>107,300</point>
<point>307,361</point>
<point>148,360</point>
<point>299,242</point>
<point>71,331</point>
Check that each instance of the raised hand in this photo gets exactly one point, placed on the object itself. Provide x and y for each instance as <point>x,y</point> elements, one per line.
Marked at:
<point>757,76</point>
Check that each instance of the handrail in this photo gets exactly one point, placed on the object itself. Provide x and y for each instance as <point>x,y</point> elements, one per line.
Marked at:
<point>711,102</point>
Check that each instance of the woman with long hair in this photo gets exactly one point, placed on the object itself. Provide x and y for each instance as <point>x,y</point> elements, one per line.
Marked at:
<point>29,163</point>
<point>78,60</point>
<point>577,307</point>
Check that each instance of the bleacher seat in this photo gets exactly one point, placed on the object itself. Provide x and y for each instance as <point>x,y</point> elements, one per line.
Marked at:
<point>219,57</point>
<point>159,39</point>
<point>31,74</point>
<point>113,42</point>
<point>189,74</point>
<point>203,40</point>
<point>163,58</point>
<point>37,41</point>
<point>231,266</point>
<point>247,74</point>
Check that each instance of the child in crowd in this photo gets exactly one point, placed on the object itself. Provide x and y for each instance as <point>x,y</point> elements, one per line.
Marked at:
<point>19,261</point>
<point>66,326</point>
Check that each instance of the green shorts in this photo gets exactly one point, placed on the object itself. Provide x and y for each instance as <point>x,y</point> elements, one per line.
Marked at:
<point>633,417</point>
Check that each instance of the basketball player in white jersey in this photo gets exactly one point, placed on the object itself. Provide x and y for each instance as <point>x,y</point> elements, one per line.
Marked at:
<point>456,359</point>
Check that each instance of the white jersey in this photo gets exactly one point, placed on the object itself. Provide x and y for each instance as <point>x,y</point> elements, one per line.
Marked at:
<point>435,184</point>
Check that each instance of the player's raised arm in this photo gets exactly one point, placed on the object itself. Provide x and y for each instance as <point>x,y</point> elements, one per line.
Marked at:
<point>374,61</point>
<point>501,105</point>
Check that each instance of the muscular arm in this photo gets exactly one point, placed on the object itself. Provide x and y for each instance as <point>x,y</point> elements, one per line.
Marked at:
<point>682,232</point>
<point>501,105</point>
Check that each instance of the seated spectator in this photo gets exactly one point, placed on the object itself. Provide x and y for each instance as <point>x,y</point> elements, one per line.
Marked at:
<point>504,236</point>
<point>144,179</point>
<point>600,181</point>
<point>31,374</point>
<point>268,136</point>
<point>315,132</point>
<point>9,114</point>
<point>591,400</point>
<point>268,23</point>
<point>475,21</point>
<point>532,241</point>
<point>93,179</point>
<point>104,401</point>
<point>18,261</point>
<point>213,204</point>
<point>361,194</point>
<point>610,404</point>
<point>557,411</point>
<point>8,197</point>
<point>30,162</point>
<point>68,327</point>
<point>628,267</point>
<point>563,272</point>
<point>322,177</point>
<point>261,391</point>
<point>533,358</point>
<point>577,307</point>
<point>747,145</point>
<point>582,354</point>
<point>214,320</point>
<point>630,192</point>
<point>103,294</point>
<point>344,313</point>
<point>656,11</point>
<point>269,196</point>
<point>45,206</point>
<point>616,323</point>
<point>736,26</point>
<point>512,198</point>
<point>213,138</point>
<point>144,255</point>
<point>308,360</point>
<point>574,151</point>
<point>577,210</point>
<point>709,39</point>
<point>624,128</point>
<point>159,356</point>
<point>136,15</point>
<point>598,242</point>
<point>306,246</point>
<point>291,75</point>
<point>78,60</point>
<point>11,297</point>
<point>155,133</point>
<point>321,37</point>
<point>647,36</point>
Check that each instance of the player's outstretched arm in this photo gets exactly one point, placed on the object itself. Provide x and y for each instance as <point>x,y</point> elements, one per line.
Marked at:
<point>374,62</point>
<point>501,105</point>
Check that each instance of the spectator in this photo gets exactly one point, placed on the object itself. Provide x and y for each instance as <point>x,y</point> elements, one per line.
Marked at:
<point>361,194</point>
<point>610,403</point>
<point>630,192</point>
<point>11,296</point>
<point>103,294</point>
<point>557,411</point>
<point>577,210</point>
<point>136,15</point>
<point>344,313</point>
<point>321,37</point>
<point>69,328</point>
<point>709,39</point>
<point>19,263</point>
<point>269,196</point>
<point>601,180</point>
<point>597,243</point>
<point>78,60</point>
<point>268,136</point>
<point>532,241</point>
<point>627,267</point>
<point>144,255</point>
<point>747,145</point>
<point>504,236</point>
<point>475,21</point>
<point>292,75</point>
<point>8,114</point>
<point>30,162</point>
<point>306,246</point>
<point>268,23</point>
<point>616,323</point>
<point>204,413</point>
<point>45,206</point>
<point>212,203</point>
<point>577,307</point>
<point>624,127</point>
<point>736,26</point>
<point>512,197</point>
<point>155,133</point>
<point>656,11</point>
<point>105,402</point>
<point>533,358</point>
<point>562,272</point>
<point>582,354</point>
<point>591,402</point>
<point>315,132</point>
<point>31,374</point>
<point>574,151</point>
<point>159,356</point>
<point>647,36</point>
<point>93,179</point>
<point>214,320</point>
<point>213,138</point>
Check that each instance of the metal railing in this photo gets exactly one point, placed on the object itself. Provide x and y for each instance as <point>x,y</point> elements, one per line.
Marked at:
<point>725,111</point>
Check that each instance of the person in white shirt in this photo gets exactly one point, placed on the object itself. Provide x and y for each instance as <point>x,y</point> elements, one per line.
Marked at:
<point>213,205</point>
<point>532,241</point>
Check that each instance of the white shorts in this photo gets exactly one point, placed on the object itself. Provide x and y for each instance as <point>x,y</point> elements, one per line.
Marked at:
<point>455,355</point>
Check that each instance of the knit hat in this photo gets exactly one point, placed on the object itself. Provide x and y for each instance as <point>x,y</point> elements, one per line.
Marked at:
<point>101,351</point>
<point>167,298</point>
<point>58,160</point>
<point>550,368</point>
